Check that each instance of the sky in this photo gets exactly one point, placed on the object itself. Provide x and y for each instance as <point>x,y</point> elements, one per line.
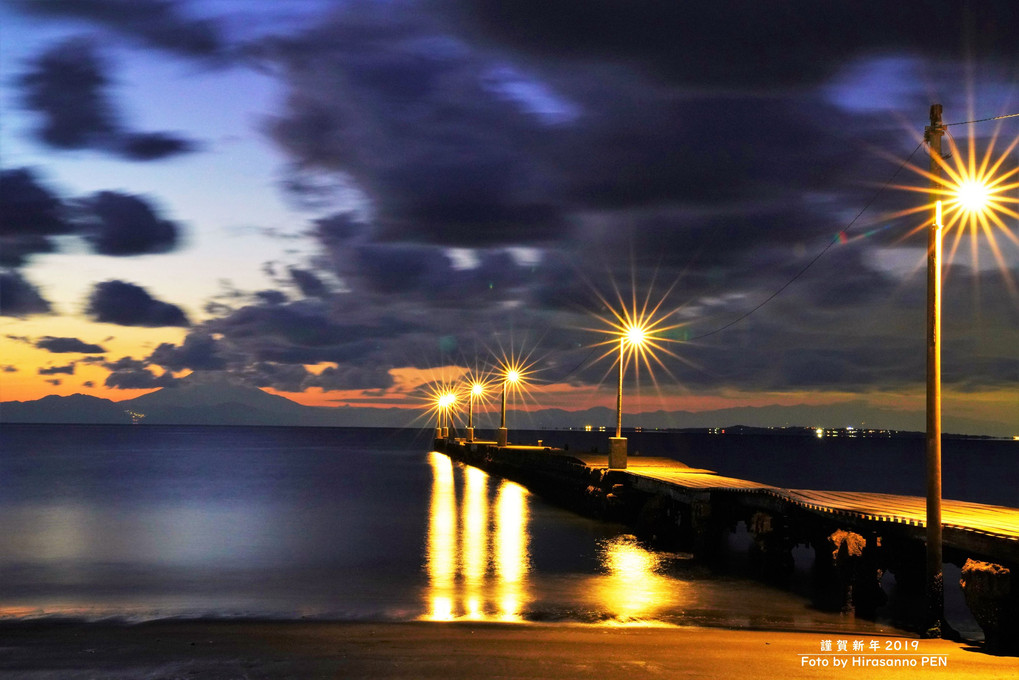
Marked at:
<point>343,202</point>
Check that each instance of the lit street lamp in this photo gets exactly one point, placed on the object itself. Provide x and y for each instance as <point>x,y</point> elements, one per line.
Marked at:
<point>935,585</point>
<point>972,198</point>
<point>510,376</point>
<point>446,401</point>
<point>477,389</point>
<point>634,336</point>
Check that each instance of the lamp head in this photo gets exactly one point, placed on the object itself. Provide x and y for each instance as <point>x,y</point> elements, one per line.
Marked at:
<point>635,335</point>
<point>972,196</point>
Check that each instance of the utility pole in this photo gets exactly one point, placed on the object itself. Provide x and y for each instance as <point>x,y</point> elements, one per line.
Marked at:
<point>935,587</point>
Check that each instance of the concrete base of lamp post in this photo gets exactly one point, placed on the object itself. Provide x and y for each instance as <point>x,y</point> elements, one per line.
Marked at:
<point>445,433</point>
<point>470,434</point>
<point>503,434</point>
<point>438,433</point>
<point>617,453</point>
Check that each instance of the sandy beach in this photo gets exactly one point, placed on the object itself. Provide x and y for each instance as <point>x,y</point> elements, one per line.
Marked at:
<point>248,649</point>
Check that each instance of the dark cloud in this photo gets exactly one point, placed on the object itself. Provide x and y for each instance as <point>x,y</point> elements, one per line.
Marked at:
<point>126,304</point>
<point>67,86</point>
<point>309,284</point>
<point>18,297</point>
<point>200,352</point>
<point>296,378</point>
<point>57,370</point>
<point>122,224</point>
<point>271,297</point>
<point>152,146</point>
<point>27,208</point>
<point>738,44</point>
<point>29,214</point>
<point>403,110</point>
<point>285,377</point>
<point>138,379</point>
<point>128,373</point>
<point>112,223</point>
<point>158,23</point>
<point>351,378</point>
<point>68,345</point>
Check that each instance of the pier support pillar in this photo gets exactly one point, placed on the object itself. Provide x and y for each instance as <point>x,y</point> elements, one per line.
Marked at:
<point>771,552</point>
<point>503,436</point>
<point>992,600</point>
<point>709,525</point>
<point>617,453</point>
<point>846,573</point>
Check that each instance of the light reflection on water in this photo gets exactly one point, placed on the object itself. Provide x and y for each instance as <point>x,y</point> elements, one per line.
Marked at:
<point>152,522</point>
<point>635,589</point>
<point>476,568</point>
<point>479,565</point>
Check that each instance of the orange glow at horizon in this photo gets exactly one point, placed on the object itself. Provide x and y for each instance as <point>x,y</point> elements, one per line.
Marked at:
<point>21,360</point>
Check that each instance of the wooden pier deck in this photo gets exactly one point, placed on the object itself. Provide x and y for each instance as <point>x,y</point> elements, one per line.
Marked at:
<point>855,536</point>
<point>967,526</point>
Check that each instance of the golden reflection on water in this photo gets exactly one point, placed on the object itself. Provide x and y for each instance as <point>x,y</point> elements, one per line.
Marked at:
<point>476,558</point>
<point>634,590</point>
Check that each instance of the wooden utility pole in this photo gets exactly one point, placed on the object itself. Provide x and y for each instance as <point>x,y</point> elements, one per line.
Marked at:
<point>935,587</point>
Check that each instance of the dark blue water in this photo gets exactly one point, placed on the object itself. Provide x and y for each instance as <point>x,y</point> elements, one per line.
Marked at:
<point>353,524</point>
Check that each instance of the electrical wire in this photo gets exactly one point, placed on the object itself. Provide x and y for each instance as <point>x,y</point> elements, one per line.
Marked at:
<point>824,250</point>
<point>982,120</point>
<point>817,257</point>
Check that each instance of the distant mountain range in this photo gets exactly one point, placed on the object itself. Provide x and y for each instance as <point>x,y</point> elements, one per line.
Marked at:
<point>219,401</point>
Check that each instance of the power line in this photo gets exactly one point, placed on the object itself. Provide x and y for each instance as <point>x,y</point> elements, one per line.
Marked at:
<point>824,250</point>
<point>817,257</point>
<point>982,120</point>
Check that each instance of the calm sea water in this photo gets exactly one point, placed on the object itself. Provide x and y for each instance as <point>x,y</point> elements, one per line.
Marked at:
<point>353,524</point>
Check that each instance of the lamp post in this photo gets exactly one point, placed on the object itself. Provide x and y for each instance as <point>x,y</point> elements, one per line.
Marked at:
<point>476,391</point>
<point>510,376</point>
<point>634,336</point>
<point>446,401</point>
<point>935,586</point>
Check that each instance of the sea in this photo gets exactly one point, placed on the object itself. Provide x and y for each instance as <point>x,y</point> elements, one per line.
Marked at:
<point>146,522</point>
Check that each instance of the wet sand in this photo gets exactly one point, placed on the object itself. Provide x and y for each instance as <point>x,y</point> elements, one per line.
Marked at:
<point>37,650</point>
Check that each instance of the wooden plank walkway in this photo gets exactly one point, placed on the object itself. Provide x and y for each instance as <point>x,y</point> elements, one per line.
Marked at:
<point>990,520</point>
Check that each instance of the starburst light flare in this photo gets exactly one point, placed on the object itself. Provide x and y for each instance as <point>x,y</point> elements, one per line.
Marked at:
<point>516,373</point>
<point>979,195</point>
<point>640,330</point>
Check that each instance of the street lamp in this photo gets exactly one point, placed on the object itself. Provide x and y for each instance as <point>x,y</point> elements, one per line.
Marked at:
<point>972,197</point>
<point>935,585</point>
<point>511,376</point>
<point>477,389</point>
<point>446,401</point>
<point>633,335</point>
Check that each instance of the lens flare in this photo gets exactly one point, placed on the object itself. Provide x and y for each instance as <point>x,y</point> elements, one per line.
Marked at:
<point>978,193</point>
<point>637,330</point>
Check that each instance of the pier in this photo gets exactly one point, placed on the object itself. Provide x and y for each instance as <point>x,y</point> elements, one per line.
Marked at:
<point>856,536</point>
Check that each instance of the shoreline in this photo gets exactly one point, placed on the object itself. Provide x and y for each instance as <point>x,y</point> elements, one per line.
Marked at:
<point>245,648</point>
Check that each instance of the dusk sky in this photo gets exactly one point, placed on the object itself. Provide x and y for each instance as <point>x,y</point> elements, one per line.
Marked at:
<point>340,202</point>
